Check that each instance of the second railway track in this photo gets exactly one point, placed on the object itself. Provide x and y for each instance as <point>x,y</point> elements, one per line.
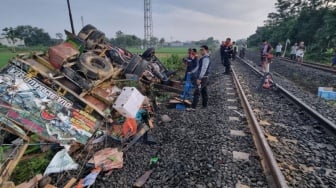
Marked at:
<point>303,149</point>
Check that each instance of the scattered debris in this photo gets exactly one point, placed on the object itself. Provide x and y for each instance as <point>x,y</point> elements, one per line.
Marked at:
<point>78,94</point>
<point>165,118</point>
<point>109,158</point>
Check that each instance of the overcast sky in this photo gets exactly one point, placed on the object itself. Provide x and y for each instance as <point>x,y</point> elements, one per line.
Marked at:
<point>182,20</point>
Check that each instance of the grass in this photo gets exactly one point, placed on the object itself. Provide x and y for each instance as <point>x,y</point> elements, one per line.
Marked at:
<point>5,56</point>
<point>6,53</point>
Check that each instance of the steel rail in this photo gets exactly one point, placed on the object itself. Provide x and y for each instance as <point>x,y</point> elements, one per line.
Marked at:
<point>270,165</point>
<point>325,68</point>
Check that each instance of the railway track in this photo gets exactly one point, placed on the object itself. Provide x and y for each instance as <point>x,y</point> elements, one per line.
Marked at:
<point>301,139</point>
<point>318,66</point>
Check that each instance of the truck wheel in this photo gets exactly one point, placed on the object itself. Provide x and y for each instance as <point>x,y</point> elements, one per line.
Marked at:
<point>86,31</point>
<point>148,53</point>
<point>129,68</point>
<point>96,37</point>
<point>94,66</point>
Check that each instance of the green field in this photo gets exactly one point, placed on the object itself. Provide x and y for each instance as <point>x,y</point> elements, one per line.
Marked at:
<point>5,55</point>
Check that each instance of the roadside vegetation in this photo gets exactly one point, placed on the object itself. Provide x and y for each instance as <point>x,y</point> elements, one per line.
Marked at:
<point>311,21</point>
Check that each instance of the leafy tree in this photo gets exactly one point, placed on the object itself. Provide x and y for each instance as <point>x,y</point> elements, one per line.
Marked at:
<point>154,41</point>
<point>125,40</point>
<point>59,35</point>
<point>11,36</point>
<point>32,36</point>
<point>162,41</point>
<point>311,21</point>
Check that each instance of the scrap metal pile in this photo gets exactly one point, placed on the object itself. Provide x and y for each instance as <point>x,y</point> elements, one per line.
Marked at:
<point>77,92</point>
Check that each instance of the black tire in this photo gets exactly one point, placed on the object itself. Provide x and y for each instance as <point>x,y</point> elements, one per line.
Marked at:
<point>94,66</point>
<point>86,31</point>
<point>130,67</point>
<point>96,37</point>
<point>148,53</point>
<point>141,67</point>
<point>115,56</point>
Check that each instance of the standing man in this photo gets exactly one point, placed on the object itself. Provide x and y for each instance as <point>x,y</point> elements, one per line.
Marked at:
<point>234,50</point>
<point>190,61</point>
<point>278,50</point>
<point>226,53</point>
<point>300,52</point>
<point>333,60</point>
<point>201,73</point>
<point>293,51</point>
<point>266,56</point>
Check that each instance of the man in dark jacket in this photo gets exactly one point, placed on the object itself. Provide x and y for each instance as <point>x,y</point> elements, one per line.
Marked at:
<point>226,53</point>
<point>201,73</point>
<point>190,61</point>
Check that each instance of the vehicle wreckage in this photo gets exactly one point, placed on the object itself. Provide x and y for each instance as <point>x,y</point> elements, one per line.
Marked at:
<point>78,90</point>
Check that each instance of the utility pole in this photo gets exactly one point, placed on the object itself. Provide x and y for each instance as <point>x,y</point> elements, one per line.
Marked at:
<point>82,18</point>
<point>148,23</point>
<point>70,15</point>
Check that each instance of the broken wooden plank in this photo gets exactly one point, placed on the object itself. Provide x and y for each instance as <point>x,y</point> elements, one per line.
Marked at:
<point>70,183</point>
<point>174,101</point>
<point>150,123</point>
<point>181,100</point>
<point>32,183</point>
<point>49,186</point>
<point>7,184</point>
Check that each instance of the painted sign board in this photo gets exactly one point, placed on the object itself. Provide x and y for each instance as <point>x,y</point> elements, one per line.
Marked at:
<point>39,109</point>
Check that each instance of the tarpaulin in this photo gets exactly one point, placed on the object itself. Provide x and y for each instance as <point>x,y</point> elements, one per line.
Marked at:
<point>61,162</point>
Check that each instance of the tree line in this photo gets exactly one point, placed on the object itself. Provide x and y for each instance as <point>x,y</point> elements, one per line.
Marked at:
<point>34,36</point>
<point>311,21</point>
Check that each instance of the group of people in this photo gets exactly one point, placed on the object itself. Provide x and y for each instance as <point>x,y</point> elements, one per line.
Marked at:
<point>297,52</point>
<point>228,51</point>
<point>199,69</point>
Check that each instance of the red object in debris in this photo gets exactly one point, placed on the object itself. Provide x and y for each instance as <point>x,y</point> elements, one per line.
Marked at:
<point>46,115</point>
<point>267,84</point>
<point>129,127</point>
<point>61,53</point>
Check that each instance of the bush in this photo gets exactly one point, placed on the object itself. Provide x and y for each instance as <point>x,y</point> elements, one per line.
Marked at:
<point>27,169</point>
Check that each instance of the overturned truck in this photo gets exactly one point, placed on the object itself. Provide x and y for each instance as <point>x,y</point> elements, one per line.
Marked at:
<point>79,89</point>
